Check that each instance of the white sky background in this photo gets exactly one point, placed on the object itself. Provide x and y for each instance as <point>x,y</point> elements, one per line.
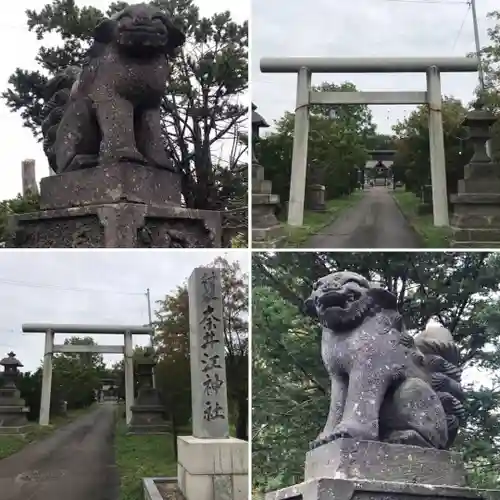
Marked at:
<point>18,48</point>
<point>362,28</point>
<point>89,287</point>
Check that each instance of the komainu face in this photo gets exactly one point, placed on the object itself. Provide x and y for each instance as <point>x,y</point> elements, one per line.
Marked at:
<point>342,300</point>
<point>140,29</point>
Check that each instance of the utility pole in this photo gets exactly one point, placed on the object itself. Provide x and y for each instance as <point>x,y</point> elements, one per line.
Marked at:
<point>482,86</point>
<point>148,297</point>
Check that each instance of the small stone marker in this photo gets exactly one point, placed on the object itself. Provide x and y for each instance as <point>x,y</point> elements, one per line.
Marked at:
<point>208,365</point>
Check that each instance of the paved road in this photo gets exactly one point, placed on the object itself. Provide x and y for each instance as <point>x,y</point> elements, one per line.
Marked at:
<point>76,462</point>
<point>375,222</point>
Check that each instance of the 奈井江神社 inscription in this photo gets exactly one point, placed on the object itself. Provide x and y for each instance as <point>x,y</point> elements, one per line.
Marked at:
<point>208,374</point>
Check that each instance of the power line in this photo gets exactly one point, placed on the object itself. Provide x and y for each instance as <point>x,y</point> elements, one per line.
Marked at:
<point>62,288</point>
<point>461,27</point>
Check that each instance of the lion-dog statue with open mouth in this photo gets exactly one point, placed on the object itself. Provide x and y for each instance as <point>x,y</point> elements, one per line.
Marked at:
<point>108,111</point>
<point>385,384</point>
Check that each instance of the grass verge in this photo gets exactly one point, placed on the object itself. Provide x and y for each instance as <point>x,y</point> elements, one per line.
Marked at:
<point>295,237</point>
<point>12,444</point>
<point>142,456</point>
<point>432,237</point>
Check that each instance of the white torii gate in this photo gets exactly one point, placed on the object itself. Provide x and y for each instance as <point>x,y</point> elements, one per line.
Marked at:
<point>305,66</point>
<point>50,348</point>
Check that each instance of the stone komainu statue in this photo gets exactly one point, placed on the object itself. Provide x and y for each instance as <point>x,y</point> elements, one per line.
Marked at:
<point>385,385</point>
<point>108,111</point>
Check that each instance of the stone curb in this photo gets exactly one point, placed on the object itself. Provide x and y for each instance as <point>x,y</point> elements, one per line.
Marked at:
<point>419,237</point>
<point>149,487</point>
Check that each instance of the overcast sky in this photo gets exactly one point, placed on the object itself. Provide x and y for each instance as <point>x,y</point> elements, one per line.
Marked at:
<point>89,287</point>
<point>362,28</point>
<point>19,48</point>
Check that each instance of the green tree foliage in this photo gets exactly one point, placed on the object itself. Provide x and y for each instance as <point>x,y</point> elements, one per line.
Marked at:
<point>18,205</point>
<point>201,106</point>
<point>172,342</point>
<point>336,146</point>
<point>290,385</point>
<point>491,64</point>
<point>77,376</point>
<point>413,146</point>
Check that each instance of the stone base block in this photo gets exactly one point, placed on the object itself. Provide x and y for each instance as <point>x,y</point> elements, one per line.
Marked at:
<point>344,489</point>
<point>141,430</point>
<point>13,416</point>
<point>315,198</point>
<point>118,225</point>
<point>374,461</point>
<point>212,469</point>
<point>148,418</point>
<point>123,182</point>
<point>476,220</point>
<point>265,225</point>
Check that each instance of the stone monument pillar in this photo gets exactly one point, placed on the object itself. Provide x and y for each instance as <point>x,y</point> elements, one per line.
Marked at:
<point>315,197</point>
<point>147,410</point>
<point>265,225</point>
<point>476,206</point>
<point>29,177</point>
<point>12,410</point>
<point>211,465</point>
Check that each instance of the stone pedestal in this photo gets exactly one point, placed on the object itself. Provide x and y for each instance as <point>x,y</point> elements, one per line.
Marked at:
<point>476,206</point>
<point>212,469</point>
<point>315,196</point>
<point>147,414</point>
<point>147,410</point>
<point>117,206</point>
<point>265,225</point>
<point>367,470</point>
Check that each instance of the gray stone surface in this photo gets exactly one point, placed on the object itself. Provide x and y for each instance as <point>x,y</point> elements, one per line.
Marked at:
<point>315,197</point>
<point>12,407</point>
<point>476,206</point>
<point>374,461</point>
<point>341,489</point>
<point>208,366</point>
<point>265,225</point>
<point>118,225</point>
<point>30,184</point>
<point>109,110</point>
<point>223,487</point>
<point>121,182</point>
<point>147,410</point>
<point>385,385</point>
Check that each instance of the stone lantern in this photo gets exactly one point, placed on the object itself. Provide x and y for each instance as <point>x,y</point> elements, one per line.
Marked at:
<point>265,225</point>
<point>476,214</point>
<point>147,410</point>
<point>12,407</point>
